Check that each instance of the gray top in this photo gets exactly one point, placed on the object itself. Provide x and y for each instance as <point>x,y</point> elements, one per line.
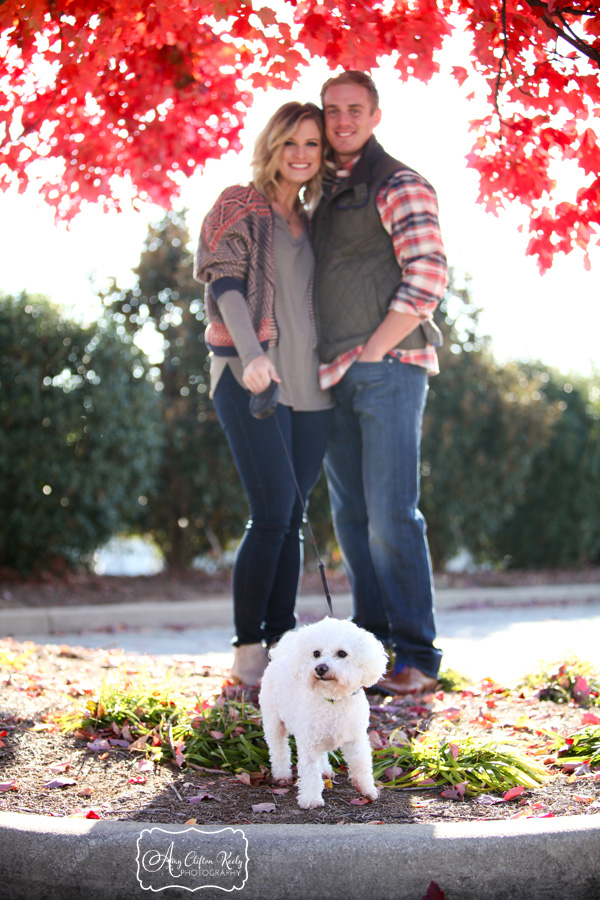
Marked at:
<point>294,357</point>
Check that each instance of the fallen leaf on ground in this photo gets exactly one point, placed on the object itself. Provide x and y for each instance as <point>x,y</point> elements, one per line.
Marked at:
<point>264,808</point>
<point>434,892</point>
<point>457,792</point>
<point>360,801</point>
<point>514,792</point>
<point>589,718</point>
<point>200,797</point>
<point>98,745</point>
<point>9,785</point>
<point>55,768</point>
<point>60,782</point>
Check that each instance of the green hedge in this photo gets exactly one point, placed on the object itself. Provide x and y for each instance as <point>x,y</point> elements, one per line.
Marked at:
<point>80,435</point>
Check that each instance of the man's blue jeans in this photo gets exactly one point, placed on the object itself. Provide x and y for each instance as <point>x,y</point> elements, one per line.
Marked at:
<point>373,470</point>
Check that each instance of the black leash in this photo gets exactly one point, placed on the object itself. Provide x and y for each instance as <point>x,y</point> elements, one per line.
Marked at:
<point>261,407</point>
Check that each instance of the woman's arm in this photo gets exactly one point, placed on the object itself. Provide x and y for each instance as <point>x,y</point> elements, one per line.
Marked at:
<point>259,371</point>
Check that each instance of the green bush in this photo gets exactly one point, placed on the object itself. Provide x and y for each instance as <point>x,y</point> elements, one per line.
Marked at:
<point>81,435</point>
<point>556,521</point>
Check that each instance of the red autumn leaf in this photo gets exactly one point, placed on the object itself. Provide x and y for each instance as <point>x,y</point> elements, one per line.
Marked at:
<point>137,779</point>
<point>198,798</point>
<point>92,814</point>
<point>360,801</point>
<point>434,892</point>
<point>457,792</point>
<point>217,735</point>
<point>513,792</point>
<point>589,718</point>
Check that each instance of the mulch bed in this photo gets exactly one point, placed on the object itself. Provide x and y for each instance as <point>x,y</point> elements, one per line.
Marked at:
<point>46,771</point>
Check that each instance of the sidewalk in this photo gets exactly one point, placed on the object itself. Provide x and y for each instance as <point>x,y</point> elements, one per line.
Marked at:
<point>500,632</point>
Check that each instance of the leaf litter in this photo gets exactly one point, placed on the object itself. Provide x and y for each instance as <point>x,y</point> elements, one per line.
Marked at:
<point>145,748</point>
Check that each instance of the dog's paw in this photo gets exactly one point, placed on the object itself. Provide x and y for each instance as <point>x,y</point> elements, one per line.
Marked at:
<point>310,802</point>
<point>282,777</point>
<point>367,790</point>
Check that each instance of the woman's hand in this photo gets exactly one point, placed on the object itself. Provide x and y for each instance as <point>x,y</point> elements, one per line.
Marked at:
<point>259,373</point>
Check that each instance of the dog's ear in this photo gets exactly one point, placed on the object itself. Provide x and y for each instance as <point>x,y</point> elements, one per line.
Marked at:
<point>284,645</point>
<point>287,648</point>
<point>374,660</point>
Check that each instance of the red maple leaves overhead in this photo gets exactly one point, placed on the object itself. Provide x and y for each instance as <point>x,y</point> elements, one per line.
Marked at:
<point>147,90</point>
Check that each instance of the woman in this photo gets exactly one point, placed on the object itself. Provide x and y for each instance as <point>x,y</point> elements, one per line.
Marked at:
<point>255,258</point>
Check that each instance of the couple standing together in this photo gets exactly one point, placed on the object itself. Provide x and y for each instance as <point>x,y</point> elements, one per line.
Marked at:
<point>338,311</point>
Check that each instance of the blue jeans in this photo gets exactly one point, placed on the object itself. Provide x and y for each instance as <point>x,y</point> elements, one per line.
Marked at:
<point>267,567</point>
<point>373,470</point>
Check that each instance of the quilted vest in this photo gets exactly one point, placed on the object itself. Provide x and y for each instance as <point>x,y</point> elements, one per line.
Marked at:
<point>356,271</point>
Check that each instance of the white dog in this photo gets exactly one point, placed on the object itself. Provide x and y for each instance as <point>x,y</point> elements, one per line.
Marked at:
<point>313,690</point>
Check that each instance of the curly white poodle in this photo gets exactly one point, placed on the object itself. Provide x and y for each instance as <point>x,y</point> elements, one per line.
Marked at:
<point>313,689</point>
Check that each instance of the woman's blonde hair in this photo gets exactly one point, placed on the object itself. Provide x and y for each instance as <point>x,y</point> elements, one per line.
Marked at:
<point>269,145</point>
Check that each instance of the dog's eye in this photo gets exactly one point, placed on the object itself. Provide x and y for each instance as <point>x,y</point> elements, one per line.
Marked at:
<point>342,654</point>
<point>317,654</point>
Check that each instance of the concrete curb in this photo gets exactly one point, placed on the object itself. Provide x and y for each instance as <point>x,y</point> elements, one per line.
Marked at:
<point>554,859</point>
<point>214,612</point>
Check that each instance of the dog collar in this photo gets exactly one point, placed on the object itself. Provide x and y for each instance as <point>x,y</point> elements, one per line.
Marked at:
<point>330,700</point>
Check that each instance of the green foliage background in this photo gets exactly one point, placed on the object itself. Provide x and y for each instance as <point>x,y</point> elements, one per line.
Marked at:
<point>80,438</point>
<point>510,452</point>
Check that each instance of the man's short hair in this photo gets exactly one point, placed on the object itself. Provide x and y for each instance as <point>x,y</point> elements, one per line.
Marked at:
<point>353,76</point>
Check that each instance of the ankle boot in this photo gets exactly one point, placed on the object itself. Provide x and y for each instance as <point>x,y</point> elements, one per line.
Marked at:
<point>249,663</point>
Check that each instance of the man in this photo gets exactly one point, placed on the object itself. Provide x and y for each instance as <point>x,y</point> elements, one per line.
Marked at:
<point>380,273</point>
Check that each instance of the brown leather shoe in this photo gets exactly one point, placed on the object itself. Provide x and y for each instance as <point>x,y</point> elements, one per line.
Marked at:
<point>407,681</point>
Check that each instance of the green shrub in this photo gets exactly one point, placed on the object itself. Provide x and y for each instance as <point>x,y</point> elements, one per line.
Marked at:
<point>80,435</point>
<point>556,521</point>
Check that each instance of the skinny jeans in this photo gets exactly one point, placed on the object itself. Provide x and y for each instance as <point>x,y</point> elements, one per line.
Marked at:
<point>268,563</point>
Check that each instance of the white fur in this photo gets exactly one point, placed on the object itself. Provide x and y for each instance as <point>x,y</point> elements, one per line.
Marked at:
<point>306,672</point>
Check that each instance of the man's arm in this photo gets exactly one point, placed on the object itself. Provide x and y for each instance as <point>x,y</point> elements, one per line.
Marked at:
<point>408,208</point>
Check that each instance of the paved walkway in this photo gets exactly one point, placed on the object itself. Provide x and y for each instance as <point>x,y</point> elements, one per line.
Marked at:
<point>502,633</point>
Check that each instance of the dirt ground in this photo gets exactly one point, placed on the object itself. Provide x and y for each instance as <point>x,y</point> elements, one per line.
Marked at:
<point>45,771</point>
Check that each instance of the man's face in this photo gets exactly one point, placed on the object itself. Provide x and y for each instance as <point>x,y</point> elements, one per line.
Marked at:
<point>349,119</point>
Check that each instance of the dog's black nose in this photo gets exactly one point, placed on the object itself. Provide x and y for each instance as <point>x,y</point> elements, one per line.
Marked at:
<point>321,669</point>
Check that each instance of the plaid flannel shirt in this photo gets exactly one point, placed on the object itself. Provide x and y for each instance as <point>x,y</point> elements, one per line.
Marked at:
<point>407,205</point>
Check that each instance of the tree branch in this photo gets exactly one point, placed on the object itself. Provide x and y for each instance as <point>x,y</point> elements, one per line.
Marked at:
<point>564,30</point>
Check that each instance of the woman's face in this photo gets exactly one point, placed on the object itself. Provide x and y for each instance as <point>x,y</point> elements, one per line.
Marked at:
<point>301,154</point>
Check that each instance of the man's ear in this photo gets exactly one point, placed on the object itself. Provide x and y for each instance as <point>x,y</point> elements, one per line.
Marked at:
<point>377,115</point>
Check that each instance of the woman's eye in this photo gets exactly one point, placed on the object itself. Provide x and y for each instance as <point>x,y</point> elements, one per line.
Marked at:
<point>342,654</point>
<point>317,654</point>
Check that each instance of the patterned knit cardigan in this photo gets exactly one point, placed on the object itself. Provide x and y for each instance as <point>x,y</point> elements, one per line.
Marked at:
<point>236,252</point>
